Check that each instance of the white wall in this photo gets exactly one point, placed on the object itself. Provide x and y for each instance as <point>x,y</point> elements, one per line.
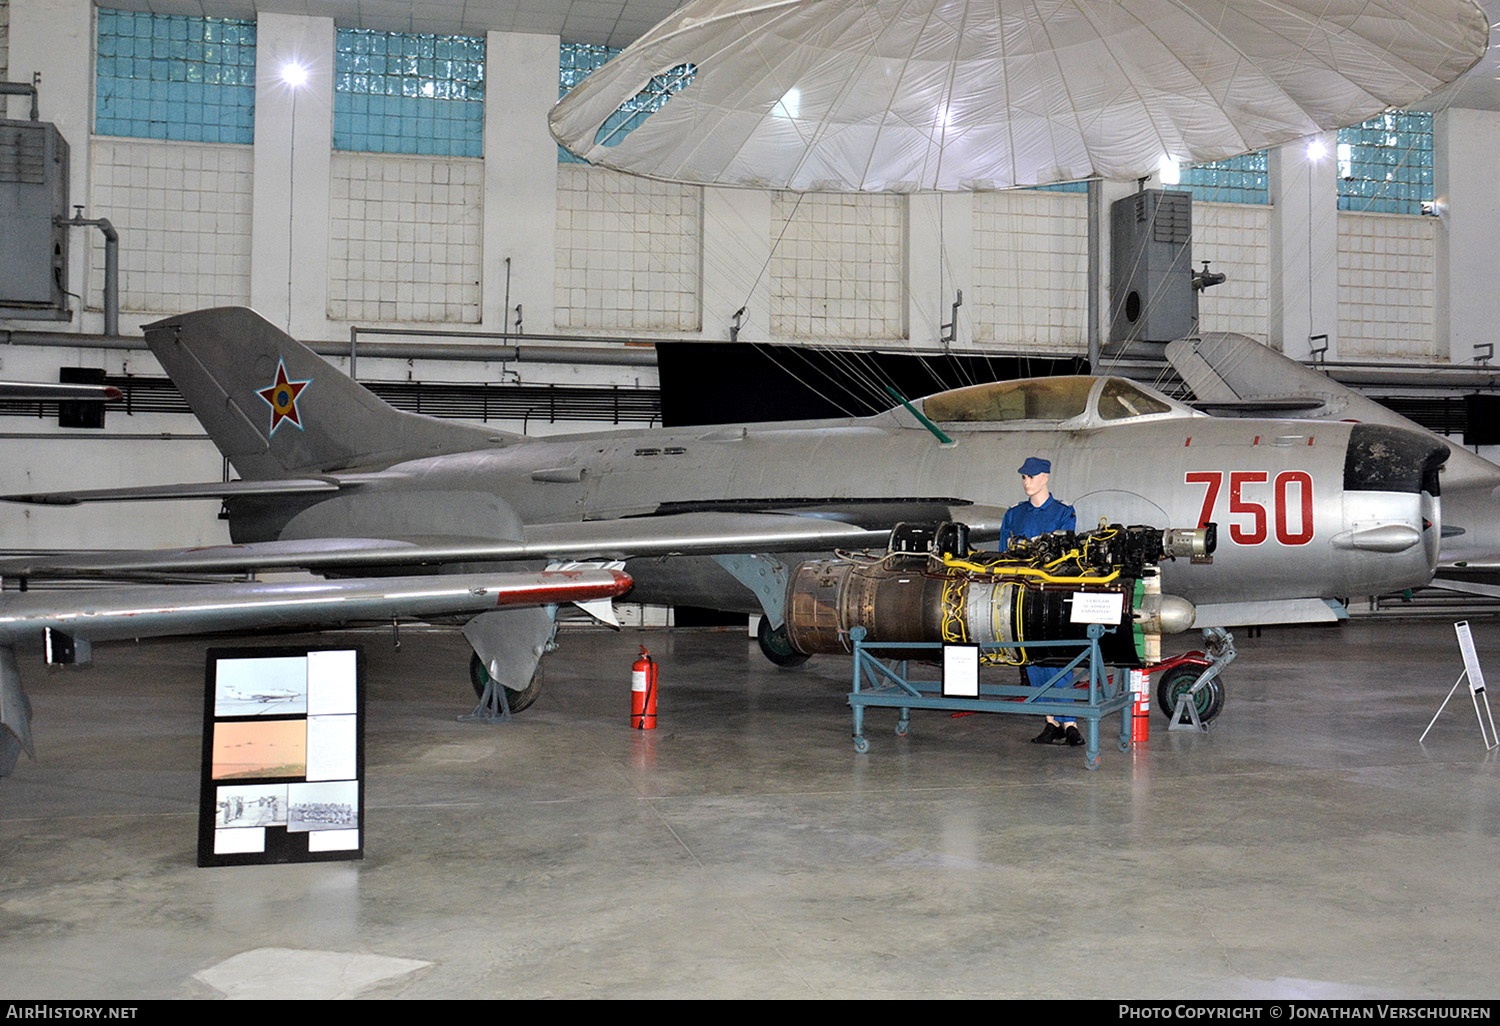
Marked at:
<point>453,243</point>
<point>328,241</point>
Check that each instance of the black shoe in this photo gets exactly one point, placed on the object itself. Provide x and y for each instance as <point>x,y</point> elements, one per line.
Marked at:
<point>1050,733</point>
<point>1072,735</point>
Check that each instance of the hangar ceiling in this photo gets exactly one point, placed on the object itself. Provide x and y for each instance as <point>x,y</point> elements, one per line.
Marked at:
<point>618,23</point>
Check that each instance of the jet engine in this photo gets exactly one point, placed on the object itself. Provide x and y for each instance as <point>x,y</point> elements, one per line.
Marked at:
<point>1027,593</point>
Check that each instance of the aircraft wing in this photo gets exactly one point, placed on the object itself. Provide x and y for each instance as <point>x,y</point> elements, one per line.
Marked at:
<point>81,617</point>
<point>111,614</point>
<point>700,533</point>
<point>43,391</point>
<point>202,490</point>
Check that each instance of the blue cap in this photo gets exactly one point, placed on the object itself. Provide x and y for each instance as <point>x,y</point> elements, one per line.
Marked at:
<point>1035,465</point>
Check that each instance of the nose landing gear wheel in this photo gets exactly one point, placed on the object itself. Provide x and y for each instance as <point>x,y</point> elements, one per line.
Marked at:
<point>479,676</point>
<point>1179,681</point>
<point>775,645</point>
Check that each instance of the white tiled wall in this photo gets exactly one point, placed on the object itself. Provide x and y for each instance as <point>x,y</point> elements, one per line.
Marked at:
<point>1233,237</point>
<point>404,239</point>
<point>629,252</point>
<point>1030,270</point>
<point>183,214</point>
<point>837,266</point>
<point>1387,286</point>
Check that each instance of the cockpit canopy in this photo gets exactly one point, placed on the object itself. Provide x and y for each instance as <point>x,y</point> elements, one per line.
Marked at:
<point>1081,399</point>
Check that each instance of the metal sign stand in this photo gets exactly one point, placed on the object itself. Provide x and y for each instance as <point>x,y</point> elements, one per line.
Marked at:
<point>1475,677</point>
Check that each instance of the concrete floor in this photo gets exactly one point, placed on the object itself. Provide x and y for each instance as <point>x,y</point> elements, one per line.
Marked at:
<point>1306,847</point>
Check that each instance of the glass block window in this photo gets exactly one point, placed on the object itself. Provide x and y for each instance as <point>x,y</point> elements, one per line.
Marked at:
<point>160,76</point>
<point>1239,179</point>
<point>405,92</point>
<point>1385,164</point>
<point>576,61</point>
<point>1062,187</point>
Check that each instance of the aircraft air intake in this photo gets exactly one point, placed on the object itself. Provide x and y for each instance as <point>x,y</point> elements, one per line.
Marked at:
<point>1392,459</point>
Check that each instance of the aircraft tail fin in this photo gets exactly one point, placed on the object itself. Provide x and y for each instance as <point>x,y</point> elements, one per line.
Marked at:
<point>1224,367</point>
<point>276,409</point>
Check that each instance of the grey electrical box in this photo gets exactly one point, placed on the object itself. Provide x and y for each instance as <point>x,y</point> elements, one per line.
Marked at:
<point>33,198</point>
<point>1151,296</point>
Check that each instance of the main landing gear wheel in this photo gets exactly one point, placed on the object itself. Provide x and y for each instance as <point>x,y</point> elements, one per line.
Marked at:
<point>1179,681</point>
<point>776,646</point>
<point>479,676</point>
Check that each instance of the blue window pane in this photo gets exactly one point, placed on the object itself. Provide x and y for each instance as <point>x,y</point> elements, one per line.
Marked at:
<point>1241,179</point>
<point>575,62</point>
<point>393,95</point>
<point>1385,164</point>
<point>145,80</point>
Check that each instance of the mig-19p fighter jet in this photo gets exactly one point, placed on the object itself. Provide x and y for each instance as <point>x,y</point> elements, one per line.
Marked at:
<point>334,481</point>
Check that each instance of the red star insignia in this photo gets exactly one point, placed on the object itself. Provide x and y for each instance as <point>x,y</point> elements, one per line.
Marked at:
<point>282,398</point>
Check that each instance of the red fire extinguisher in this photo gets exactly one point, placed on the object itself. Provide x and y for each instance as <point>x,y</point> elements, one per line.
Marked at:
<point>643,692</point>
<point>1140,721</point>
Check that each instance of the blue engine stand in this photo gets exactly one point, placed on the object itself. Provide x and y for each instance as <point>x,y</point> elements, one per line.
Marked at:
<point>889,685</point>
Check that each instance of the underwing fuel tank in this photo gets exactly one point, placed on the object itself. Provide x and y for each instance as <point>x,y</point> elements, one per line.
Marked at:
<point>1030,592</point>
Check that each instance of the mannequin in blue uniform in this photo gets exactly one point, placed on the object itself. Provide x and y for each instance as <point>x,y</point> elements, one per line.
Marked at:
<point>1041,514</point>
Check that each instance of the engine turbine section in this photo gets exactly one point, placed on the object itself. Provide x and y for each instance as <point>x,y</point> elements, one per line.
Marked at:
<point>1026,593</point>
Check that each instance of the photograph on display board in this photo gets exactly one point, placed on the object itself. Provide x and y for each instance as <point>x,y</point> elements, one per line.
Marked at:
<point>329,805</point>
<point>261,687</point>
<point>259,748</point>
<point>251,805</point>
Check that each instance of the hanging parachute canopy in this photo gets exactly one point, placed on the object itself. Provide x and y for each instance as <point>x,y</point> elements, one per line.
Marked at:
<point>900,95</point>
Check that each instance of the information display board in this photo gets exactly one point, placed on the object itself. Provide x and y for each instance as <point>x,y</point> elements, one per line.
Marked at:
<point>283,756</point>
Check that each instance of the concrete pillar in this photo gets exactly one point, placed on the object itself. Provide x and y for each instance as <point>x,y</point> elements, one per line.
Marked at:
<point>1302,280</point>
<point>1466,145</point>
<point>736,253</point>
<point>293,155</point>
<point>55,38</point>
<point>940,263</point>
<point>520,180</point>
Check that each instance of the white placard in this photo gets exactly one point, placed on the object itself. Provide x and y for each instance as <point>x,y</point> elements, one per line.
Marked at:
<point>332,747</point>
<point>239,841</point>
<point>960,671</point>
<point>1097,607</point>
<point>1471,658</point>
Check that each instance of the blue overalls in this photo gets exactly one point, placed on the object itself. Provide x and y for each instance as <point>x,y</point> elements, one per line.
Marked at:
<point>1023,520</point>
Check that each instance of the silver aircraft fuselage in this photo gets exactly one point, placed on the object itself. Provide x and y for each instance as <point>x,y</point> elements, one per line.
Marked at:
<point>1304,509</point>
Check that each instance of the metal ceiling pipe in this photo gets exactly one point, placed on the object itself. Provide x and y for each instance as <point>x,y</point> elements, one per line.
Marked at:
<point>593,356</point>
<point>111,264</point>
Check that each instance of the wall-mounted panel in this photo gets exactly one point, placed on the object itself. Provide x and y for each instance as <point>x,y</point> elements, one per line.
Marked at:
<point>183,213</point>
<point>1387,286</point>
<point>628,252</point>
<point>1233,238</point>
<point>1030,270</point>
<point>838,267</point>
<point>404,239</point>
